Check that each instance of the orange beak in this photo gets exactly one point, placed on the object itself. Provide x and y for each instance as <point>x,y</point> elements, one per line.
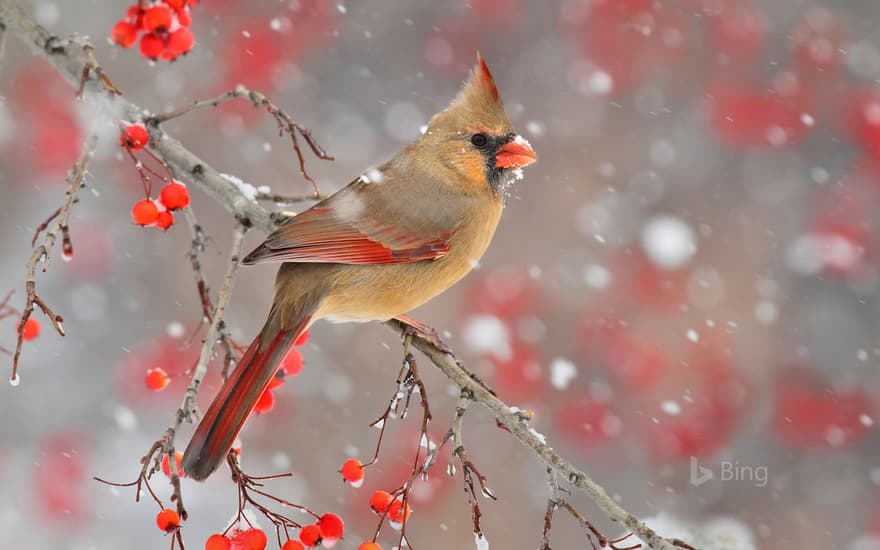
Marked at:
<point>515,154</point>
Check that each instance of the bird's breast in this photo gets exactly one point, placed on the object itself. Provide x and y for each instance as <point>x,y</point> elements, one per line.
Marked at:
<point>380,292</point>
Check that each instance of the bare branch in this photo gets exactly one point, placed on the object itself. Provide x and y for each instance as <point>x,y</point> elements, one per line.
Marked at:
<point>55,224</point>
<point>534,441</point>
<point>216,327</point>
<point>285,122</point>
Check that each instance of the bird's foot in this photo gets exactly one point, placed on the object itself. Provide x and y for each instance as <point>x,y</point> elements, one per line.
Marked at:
<point>418,328</point>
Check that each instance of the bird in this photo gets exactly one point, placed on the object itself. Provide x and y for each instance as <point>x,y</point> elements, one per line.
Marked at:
<point>386,243</point>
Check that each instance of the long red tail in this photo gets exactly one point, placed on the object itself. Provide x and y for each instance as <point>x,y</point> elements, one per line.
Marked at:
<point>233,404</point>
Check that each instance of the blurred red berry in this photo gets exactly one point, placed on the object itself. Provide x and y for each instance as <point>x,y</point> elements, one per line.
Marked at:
<point>588,423</point>
<point>135,16</point>
<point>369,546</point>
<point>168,520</point>
<point>124,34</point>
<point>144,212</point>
<point>506,292</point>
<point>293,545</point>
<point>278,379</point>
<point>134,137</point>
<point>331,527</point>
<point>499,12</point>
<point>184,17</point>
<point>164,220</point>
<point>152,46</point>
<point>178,458</point>
<point>519,374</point>
<point>380,501</point>
<point>253,539</point>
<point>265,403</point>
<point>353,472</point>
<point>157,379</point>
<point>31,329</point>
<point>301,339</point>
<point>174,195</point>
<point>180,41</point>
<point>807,418</point>
<point>397,513</point>
<point>739,32</point>
<point>310,535</point>
<point>745,118</point>
<point>175,4</point>
<point>218,542</point>
<point>157,19</point>
<point>292,363</point>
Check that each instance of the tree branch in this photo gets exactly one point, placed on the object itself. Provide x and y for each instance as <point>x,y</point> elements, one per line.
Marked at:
<point>70,60</point>
<point>56,223</point>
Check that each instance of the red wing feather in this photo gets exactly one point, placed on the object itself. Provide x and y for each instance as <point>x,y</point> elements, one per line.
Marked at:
<point>320,236</point>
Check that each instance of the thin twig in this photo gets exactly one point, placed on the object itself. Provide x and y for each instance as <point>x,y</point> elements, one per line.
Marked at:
<point>281,200</point>
<point>286,124</point>
<point>57,223</point>
<point>189,401</point>
<point>197,247</point>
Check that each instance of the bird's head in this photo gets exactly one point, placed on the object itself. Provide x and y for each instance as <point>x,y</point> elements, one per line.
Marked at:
<point>474,137</point>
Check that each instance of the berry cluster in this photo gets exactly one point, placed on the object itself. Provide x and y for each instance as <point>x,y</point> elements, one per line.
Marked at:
<point>165,24</point>
<point>174,195</point>
<point>326,532</point>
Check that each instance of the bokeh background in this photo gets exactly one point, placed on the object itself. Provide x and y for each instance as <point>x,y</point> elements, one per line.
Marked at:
<point>689,273</point>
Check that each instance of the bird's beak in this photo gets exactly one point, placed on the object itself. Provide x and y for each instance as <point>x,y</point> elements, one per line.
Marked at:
<point>515,154</point>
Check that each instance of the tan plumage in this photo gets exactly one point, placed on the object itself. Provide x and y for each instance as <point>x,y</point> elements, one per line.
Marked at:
<point>383,245</point>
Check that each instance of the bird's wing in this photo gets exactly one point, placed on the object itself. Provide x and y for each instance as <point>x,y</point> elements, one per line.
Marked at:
<point>353,227</point>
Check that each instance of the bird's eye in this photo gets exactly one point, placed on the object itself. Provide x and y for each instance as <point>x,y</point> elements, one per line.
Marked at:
<point>479,140</point>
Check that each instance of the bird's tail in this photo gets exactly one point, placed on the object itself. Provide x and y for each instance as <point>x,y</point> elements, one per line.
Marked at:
<point>219,427</point>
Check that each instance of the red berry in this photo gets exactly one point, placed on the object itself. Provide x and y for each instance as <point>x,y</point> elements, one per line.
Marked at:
<point>157,19</point>
<point>135,16</point>
<point>301,339</point>
<point>178,457</point>
<point>174,196</point>
<point>175,4</point>
<point>369,546</point>
<point>157,379</point>
<point>144,212</point>
<point>181,41</point>
<point>253,539</point>
<point>152,46</point>
<point>293,545</point>
<point>278,379</point>
<point>396,511</point>
<point>168,520</point>
<point>292,363</point>
<point>332,528</point>
<point>380,501</point>
<point>310,535</point>
<point>124,34</point>
<point>265,403</point>
<point>184,17</point>
<point>353,472</point>
<point>134,137</point>
<point>164,220</point>
<point>31,329</point>
<point>218,542</point>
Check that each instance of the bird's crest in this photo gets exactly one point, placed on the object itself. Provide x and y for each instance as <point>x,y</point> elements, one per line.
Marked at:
<point>478,103</point>
<point>481,77</point>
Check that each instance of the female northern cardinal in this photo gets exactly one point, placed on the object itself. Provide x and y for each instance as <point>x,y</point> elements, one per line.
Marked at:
<point>388,242</point>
